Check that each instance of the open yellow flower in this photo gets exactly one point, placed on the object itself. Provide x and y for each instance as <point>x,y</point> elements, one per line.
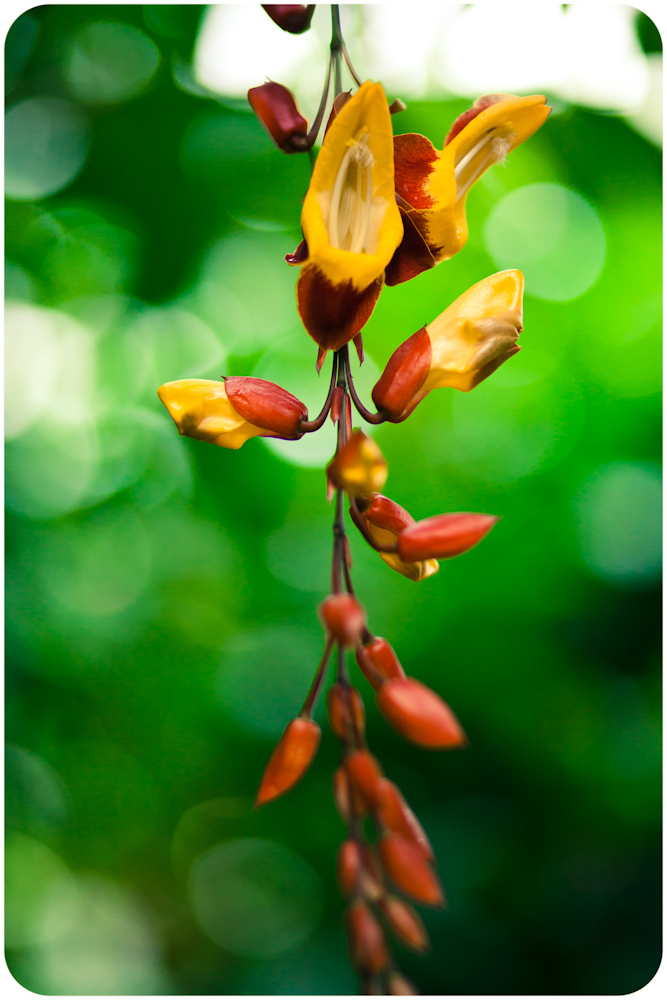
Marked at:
<point>351,223</point>
<point>459,349</point>
<point>432,186</point>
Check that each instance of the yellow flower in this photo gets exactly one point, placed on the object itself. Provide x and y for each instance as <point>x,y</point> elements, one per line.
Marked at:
<point>351,223</point>
<point>229,413</point>
<point>432,186</point>
<point>459,349</point>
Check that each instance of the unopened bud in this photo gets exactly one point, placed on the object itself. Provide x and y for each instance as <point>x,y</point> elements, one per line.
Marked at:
<point>290,760</point>
<point>349,801</point>
<point>292,17</point>
<point>406,866</point>
<point>347,716</point>
<point>267,404</point>
<point>443,536</point>
<point>344,618</point>
<point>396,392</point>
<point>385,520</point>
<point>406,923</point>
<point>365,775</point>
<point>358,871</point>
<point>368,948</point>
<point>378,662</point>
<point>419,715</point>
<point>392,812</point>
<point>276,109</point>
<point>359,467</point>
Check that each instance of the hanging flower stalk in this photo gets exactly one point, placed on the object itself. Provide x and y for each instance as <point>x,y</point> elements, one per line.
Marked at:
<point>379,210</point>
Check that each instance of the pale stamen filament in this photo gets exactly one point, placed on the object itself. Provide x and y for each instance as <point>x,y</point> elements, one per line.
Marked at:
<point>500,146</point>
<point>356,220</point>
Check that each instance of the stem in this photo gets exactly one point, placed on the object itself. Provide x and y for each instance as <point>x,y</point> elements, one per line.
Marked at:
<point>368,415</point>
<point>308,426</point>
<point>361,525</point>
<point>348,62</point>
<point>338,554</point>
<point>312,135</point>
<point>316,686</point>
<point>337,46</point>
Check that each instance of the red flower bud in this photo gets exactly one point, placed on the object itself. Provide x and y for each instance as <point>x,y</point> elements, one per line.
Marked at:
<point>399,986</point>
<point>365,775</point>
<point>393,812</point>
<point>419,715</point>
<point>266,405</point>
<point>292,17</point>
<point>344,618</point>
<point>378,662</point>
<point>347,716</point>
<point>290,760</point>
<point>358,871</point>
<point>406,923</point>
<point>395,394</point>
<point>443,536</point>
<point>406,866</point>
<point>387,514</point>
<point>276,108</point>
<point>368,948</point>
<point>349,801</point>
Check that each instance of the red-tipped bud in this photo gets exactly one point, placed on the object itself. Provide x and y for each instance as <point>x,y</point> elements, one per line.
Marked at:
<point>420,715</point>
<point>396,392</point>
<point>399,986</point>
<point>266,405</point>
<point>443,536</point>
<point>358,871</point>
<point>349,801</point>
<point>392,812</point>
<point>292,17</point>
<point>378,662</point>
<point>347,716</point>
<point>368,948</point>
<point>344,618</point>
<point>365,775</point>
<point>276,108</point>
<point>406,923</point>
<point>359,467</point>
<point>290,760</point>
<point>406,866</point>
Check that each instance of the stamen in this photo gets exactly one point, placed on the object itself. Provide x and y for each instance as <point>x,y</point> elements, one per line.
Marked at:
<point>465,160</point>
<point>350,213</point>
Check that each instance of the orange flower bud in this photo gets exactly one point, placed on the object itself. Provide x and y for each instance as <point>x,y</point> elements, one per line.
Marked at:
<point>387,514</point>
<point>347,716</point>
<point>343,617</point>
<point>359,467</point>
<point>395,394</point>
<point>385,520</point>
<point>276,108</point>
<point>290,760</point>
<point>443,536</point>
<point>349,801</point>
<point>406,866</point>
<point>406,923</point>
<point>419,715</point>
<point>399,986</point>
<point>378,662</point>
<point>267,405</point>
<point>358,871</point>
<point>392,811</point>
<point>368,948</point>
<point>292,17</point>
<point>365,774</point>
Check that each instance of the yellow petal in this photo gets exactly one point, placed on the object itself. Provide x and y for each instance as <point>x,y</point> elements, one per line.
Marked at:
<point>413,570</point>
<point>200,409</point>
<point>350,220</point>
<point>359,468</point>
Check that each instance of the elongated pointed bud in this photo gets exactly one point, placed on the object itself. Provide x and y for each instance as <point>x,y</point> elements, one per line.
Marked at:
<point>267,405</point>
<point>358,871</point>
<point>406,866</point>
<point>290,760</point>
<point>344,618</point>
<point>359,467</point>
<point>386,520</point>
<point>387,514</point>
<point>365,775</point>
<point>396,392</point>
<point>276,109</point>
<point>392,812</point>
<point>406,923</point>
<point>292,17</point>
<point>419,715</point>
<point>347,716</point>
<point>378,662</point>
<point>368,948</point>
<point>349,801</point>
<point>399,986</point>
<point>443,536</point>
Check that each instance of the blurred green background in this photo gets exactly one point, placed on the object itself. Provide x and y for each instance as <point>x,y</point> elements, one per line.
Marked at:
<point>161,592</point>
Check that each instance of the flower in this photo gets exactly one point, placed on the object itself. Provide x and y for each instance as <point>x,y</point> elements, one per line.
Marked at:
<point>359,467</point>
<point>276,108</point>
<point>229,413</point>
<point>351,223</point>
<point>431,186</point>
<point>459,349</point>
<point>386,520</point>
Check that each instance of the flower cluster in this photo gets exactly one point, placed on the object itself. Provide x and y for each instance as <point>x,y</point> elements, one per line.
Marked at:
<point>379,210</point>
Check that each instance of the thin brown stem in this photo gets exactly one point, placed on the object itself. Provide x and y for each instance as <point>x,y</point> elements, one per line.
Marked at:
<point>318,680</point>
<point>308,426</point>
<point>315,128</point>
<point>353,73</point>
<point>368,415</point>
